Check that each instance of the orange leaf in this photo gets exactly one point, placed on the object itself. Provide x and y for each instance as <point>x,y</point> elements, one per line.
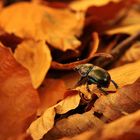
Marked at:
<point>43,23</point>
<point>36,57</point>
<point>44,123</point>
<point>49,91</point>
<point>18,98</point>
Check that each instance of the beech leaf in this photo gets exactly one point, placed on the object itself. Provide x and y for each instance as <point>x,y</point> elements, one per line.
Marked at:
<point>43,124</point>
<point>18,99</point>
<point>43,23</point>
<point>36,57</point>
<point>48,91</point>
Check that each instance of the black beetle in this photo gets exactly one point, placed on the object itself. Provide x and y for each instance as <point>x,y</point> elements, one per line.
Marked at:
<point>91,74</point>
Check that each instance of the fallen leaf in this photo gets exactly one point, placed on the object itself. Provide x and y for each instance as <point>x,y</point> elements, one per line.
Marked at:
<point>51,92</point>
<point>106,108</point>
<point>18,99</point>
<point>43,23</point>
<point>44,123</point>
<point>97,17</point>
<point>73,125</point>
<point>36,57</point>
<point>129,130</point>
<point>69,66</point>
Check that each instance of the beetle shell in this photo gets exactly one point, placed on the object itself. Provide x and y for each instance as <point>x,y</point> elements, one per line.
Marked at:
<point>99,76</point>
<point>84,69</point>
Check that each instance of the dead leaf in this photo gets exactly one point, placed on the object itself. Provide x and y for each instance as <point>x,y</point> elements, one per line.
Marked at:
<point>43,23</point>
<point>125,128</point>
<point>44,123</point>
<point>36,57</point>
<point>69,66</point>
<point>108,108</point>
<point>90,56</point>
<point>51,92</point>
<point>18,99</point>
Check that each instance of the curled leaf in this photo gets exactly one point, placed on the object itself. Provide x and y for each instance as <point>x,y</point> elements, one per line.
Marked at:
<point>18,99</point>
<point>69,66</point>
<point>36,57</point>
<point>43,23</point>
<point>48,91</point>
<point>106,108</point>
<point>43,124</point>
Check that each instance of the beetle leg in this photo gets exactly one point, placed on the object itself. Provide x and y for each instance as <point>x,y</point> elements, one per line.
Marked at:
<point>81,81</point>
<point>114,83</point>
<point>87,87</point>
<point>104,91</point>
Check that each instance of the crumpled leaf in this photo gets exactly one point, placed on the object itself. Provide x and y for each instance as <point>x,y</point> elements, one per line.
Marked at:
<point>18,99</point>
<point>36,57</point>
<point>125,128</point>
<point>43,23</point>
<point>65,127</point>
<point>89,57</point>
<point>44,123</point>
<point>48,91</point>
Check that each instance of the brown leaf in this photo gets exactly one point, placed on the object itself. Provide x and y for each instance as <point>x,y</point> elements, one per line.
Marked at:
<point>125,128</point>
<point>106,108</point>
<point>49,94</point>
<point>68,127</point>
<point>36,57</point>
<point>18,99</point>
<point>69,66</point>
<point>44,123</point>
<point>43,23</point>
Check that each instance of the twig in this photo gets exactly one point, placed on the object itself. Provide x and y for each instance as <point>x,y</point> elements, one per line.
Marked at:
<point>118,51</point>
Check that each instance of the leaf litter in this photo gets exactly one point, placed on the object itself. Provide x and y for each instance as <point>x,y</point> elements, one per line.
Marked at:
<point>55,37</point>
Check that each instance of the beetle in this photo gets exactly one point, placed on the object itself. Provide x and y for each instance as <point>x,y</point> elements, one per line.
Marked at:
<point>91,74</point>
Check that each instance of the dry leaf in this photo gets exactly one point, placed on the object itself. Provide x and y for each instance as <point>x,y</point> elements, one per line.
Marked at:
<point>69,66</point>
<point>43,23</point>
<point>119,77</point>
<point>51,91</point>
<point>18,99</point>
<point>111,107</point>
<point>44,123</point>
<point>125,128</point>
<point>36,57</point>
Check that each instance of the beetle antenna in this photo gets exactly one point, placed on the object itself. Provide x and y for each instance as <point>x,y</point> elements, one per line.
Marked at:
<point>115,84</point>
